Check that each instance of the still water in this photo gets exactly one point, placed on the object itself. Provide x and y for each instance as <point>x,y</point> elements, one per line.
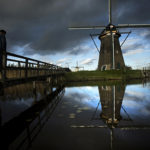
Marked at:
<point>36,116</point>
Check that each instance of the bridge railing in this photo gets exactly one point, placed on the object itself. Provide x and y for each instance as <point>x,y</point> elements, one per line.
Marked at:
<point>17,66</point>
<point>28,62</point>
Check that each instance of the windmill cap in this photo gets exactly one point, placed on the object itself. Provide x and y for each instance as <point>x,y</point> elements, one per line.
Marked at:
<point>107,31</point>
<point>3,31</point>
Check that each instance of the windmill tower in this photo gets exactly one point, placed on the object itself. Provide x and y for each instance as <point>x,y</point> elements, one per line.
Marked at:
<point>110,55</point>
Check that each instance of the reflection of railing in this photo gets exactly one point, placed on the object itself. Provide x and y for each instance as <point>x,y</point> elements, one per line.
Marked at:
<point>28,124</point>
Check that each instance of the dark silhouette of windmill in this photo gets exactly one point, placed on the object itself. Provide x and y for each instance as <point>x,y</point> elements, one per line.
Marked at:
<point>110,55</point>
<point>77,67</point>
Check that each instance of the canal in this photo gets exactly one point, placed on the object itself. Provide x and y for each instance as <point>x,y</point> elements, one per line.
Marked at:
<point>83,116</point>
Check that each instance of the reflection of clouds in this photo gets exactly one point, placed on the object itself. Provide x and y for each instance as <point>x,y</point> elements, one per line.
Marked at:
<point>85,95</point>
<point>134,93</point>
<point>78,97</point>
<point>137,93</point>
<point>27,102</point>
<point>89,88</point>
<point>145,111</point>
<point>137,100</point>
<point>11,109</point>
<point>132,104</point>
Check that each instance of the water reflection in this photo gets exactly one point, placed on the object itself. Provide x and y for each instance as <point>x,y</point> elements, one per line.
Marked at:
<point>124,111</point>
<point>24,91</point>
<point>17,98</point>
<point>19,131</point>
<point>114,116</point>
<point>111,100</point>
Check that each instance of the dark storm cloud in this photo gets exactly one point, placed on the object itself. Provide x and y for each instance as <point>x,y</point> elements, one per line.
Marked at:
<point>133,11</point>
<point>132,47</point>
<point>75,52</point>
<point>43,23</point>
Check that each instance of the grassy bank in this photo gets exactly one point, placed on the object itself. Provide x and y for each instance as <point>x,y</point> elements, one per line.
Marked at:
<point>103,75</point>
<point>104,83</point>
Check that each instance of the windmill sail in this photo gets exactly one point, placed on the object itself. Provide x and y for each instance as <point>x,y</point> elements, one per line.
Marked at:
<point>86,27</point>
<point>110,56</point>
<point>110,12</point>
<point>133,26</point>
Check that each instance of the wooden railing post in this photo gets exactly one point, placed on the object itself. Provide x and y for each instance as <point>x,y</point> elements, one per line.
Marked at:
<point>19,69</point>
<point>3,66</point>
<point>3,54</point>
<point>38,68</point>
<point>45,67</point>
<point>19,64</point>
<point>26,68</point>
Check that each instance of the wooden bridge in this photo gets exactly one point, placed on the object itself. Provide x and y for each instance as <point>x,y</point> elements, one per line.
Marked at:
<point>16,67</point>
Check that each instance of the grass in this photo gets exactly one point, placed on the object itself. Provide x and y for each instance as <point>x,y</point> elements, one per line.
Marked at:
<point>103,75</point>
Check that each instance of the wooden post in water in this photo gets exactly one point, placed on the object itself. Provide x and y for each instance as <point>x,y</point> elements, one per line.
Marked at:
<point>49,80</point>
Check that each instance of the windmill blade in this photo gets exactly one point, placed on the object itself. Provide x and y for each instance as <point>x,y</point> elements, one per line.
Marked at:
<point>134,127</point>
<point>86,27</point>
<point>133,26</point>
<point>125,32</point>
<point>95,34</point>
<point>110,11</point>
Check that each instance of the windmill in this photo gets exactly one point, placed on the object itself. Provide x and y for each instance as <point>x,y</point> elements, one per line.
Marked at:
<point>77,67</point>
<point>67,64</point>
<point>110,55</point>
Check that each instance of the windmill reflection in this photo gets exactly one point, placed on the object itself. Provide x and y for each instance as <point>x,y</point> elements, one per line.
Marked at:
<point>111,101</point>
<point>111,98</point>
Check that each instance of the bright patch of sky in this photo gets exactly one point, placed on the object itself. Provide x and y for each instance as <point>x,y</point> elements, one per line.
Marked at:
<point>136,50</point>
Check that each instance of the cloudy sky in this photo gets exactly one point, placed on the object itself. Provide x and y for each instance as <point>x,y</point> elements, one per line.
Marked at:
<point>39,29</point>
